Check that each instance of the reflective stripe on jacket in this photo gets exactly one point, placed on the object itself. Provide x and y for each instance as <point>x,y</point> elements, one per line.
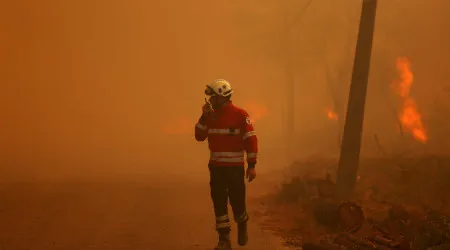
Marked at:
<point>230,135</point>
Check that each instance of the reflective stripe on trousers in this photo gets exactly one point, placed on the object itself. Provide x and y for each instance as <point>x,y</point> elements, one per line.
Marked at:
<point>227,188</point>
<point>240,218</point>
<point>222,222</point>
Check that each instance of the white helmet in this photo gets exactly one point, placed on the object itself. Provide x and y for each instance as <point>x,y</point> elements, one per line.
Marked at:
<point>219,87</point>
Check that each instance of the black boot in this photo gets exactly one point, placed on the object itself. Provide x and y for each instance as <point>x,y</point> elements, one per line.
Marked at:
<point>224,242</point>
<point>242,234</point>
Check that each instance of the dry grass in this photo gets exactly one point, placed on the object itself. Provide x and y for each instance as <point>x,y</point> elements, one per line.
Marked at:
<point>418,185</point>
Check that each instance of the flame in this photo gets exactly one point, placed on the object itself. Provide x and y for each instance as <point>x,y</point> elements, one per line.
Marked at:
<point>180,126</point>
<point>332,115</point>
<point>409,117</point>
<point>256,111</point>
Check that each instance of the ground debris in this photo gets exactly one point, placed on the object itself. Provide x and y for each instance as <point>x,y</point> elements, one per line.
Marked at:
<point>322,246</point>
<point>387,215</point>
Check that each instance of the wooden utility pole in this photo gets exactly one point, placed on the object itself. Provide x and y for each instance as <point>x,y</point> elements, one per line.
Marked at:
<point>352,136</point>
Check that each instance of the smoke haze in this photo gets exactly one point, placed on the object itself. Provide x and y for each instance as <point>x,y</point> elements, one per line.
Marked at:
<point>101,87</point>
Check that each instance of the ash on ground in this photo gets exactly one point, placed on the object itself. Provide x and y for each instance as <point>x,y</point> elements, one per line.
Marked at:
<point>396,205</point>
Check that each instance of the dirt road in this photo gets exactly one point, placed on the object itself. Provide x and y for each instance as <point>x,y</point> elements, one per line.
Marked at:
<point>133,213</point>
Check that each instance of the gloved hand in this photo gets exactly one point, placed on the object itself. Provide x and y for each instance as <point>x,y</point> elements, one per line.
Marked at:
<point>207,107</point>
<point>250,173</point>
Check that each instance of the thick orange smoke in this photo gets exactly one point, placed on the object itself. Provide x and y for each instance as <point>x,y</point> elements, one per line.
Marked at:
<point>409,117</point>
<point>184,125</point>
<point>180,126</point>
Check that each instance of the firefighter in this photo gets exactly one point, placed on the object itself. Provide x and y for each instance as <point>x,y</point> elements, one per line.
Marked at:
<point>230,135</point>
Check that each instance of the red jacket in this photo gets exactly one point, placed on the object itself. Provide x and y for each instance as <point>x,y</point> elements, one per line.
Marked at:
<point>230,133</point>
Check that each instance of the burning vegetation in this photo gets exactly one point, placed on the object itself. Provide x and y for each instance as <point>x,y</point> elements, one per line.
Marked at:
<point>409,116</point>
<point>390,208</point>
<point>256,111</point>
<point>400,200</point>
<point>332,115</point>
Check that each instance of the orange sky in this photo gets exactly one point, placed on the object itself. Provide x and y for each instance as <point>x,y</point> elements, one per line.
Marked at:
<point>88,85</point>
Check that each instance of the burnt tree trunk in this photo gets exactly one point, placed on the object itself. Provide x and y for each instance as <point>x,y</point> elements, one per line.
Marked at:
<point>352,136</point>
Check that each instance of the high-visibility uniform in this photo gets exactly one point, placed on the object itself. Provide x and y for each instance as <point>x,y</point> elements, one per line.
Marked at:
<point>230,134</point>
